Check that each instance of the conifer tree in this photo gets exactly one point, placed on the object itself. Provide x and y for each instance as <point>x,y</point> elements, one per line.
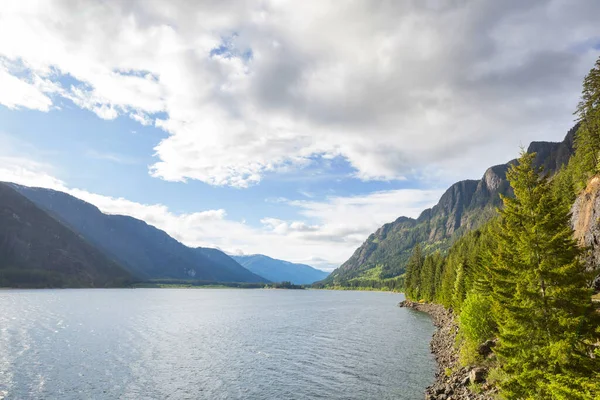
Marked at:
<point>543,307</point>
<point>413,273</point>
<point>586,161</point>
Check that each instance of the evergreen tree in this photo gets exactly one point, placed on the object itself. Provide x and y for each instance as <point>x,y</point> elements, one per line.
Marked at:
<point>413,274</point>
<point>543,307</point>
<point>586,161</point>
<point>428,279</point>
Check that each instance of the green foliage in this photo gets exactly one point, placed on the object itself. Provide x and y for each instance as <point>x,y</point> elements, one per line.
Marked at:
<point>477,323</point>
<point>542,305</point>
<point>413,273</point>
<point>371,279</point>
<point>467,352</point>
<point>520,277</point>
<point>586,161</point>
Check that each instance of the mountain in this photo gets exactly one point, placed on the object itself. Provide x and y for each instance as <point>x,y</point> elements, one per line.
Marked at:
<point>281,271</point>
<point>466,205</point>
<point>145,251</point>
<point>36,250</point>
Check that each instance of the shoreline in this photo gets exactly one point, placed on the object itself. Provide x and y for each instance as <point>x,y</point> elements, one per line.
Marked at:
<point>451,380</point>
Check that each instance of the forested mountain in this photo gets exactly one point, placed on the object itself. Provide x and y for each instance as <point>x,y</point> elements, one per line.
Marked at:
<point>466,205</point>
<point>145,251</point>
<point>279,270</point>
<point>36,250</point>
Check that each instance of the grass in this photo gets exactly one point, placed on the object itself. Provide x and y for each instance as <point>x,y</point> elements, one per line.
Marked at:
<point>475,388</point>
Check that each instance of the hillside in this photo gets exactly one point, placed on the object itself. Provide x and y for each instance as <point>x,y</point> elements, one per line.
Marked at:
<point>466,205</point>
<point>145,251</point>
<point>38,251</point>
<point>281,271</point>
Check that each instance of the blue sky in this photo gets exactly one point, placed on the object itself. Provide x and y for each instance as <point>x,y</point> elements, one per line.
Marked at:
<point>277,128</point>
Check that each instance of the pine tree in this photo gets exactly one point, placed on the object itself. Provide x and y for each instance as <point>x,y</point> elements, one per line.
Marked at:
<point>413,273</point>
<point>543,307</point>
<point>586,161</point>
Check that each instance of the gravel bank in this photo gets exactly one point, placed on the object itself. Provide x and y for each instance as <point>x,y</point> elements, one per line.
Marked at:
<point>451,381</point>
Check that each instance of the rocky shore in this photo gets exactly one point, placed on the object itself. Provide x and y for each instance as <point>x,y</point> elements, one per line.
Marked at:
<point>451,380</point>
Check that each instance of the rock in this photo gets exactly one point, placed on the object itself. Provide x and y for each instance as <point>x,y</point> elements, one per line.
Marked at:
<point>585,215</point>
<point>477,375</point>
<point>465,381</point>
<point>485,349</point>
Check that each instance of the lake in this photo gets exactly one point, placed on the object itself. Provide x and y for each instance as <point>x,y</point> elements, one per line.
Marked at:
<point>211,344</point>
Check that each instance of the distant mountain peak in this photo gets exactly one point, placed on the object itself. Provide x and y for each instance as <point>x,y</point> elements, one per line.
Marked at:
<point>280,270</point>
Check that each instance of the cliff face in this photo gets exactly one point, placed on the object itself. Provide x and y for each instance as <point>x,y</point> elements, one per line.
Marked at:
<point>464,206</point>
<point>586,224</point>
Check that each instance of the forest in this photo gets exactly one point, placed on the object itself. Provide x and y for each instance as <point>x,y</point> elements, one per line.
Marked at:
<point>521,281</point>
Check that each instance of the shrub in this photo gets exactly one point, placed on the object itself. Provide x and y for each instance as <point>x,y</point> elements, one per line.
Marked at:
<point>476,320</point>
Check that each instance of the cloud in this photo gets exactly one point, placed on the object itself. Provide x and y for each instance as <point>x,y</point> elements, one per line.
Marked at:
<point>329,234</point>
<point>265,86</point>
<point>28,172</point>
<point>15,93</point>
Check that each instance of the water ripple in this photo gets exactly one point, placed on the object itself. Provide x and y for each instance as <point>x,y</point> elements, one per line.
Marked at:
<point>211,344</point>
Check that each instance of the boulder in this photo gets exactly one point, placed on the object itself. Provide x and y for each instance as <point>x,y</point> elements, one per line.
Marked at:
<point>485,349</point>
<point>477,375</point>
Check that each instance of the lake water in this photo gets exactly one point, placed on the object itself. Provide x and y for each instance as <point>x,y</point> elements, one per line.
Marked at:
<point>211,344</point>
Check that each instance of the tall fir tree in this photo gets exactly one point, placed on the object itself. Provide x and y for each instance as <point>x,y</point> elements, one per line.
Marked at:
<point>413,274</point>
<point>543,306</point>
<point>586,161</point>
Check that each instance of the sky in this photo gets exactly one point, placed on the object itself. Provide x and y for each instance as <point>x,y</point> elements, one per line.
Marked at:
<point>291,129</point>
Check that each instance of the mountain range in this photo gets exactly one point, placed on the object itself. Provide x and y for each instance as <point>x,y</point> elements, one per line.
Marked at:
<point>145,251</point>
<point>279,270</point>
<point>466,205</point>
<point>50,238</point>
<point>38,251</point>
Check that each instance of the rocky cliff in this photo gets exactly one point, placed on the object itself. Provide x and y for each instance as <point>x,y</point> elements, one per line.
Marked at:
<point>464,206</point>
<point>585,220</point>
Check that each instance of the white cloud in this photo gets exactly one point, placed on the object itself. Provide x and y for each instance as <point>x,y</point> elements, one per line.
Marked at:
<point>15,93</point>
<point>391,87</point>
<point>329,235</point>
<point>28,172</point>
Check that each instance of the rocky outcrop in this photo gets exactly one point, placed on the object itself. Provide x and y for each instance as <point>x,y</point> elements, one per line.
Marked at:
<point>585,220</point>
<point>452,382</point>
<point>466,205</point>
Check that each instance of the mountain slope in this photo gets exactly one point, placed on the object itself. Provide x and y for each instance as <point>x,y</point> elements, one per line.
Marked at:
<point>147,252</point>
<point>464,206</point>
<point>281,271</point>
<point>36,250</point>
